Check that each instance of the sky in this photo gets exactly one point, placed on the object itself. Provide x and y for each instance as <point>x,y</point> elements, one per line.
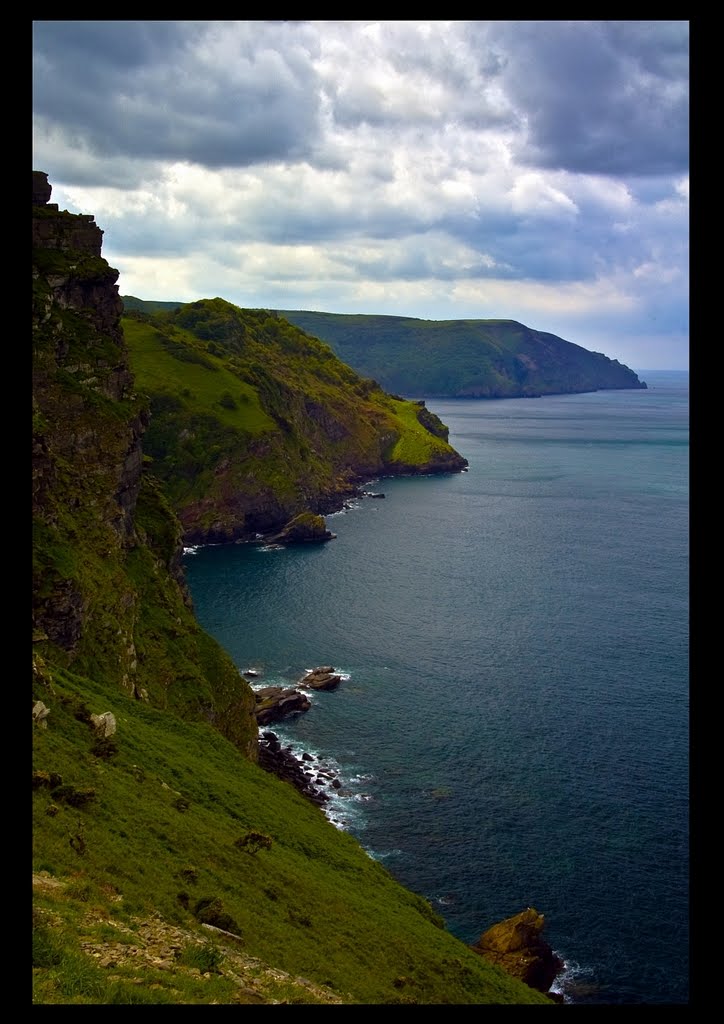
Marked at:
<point>528,170</point>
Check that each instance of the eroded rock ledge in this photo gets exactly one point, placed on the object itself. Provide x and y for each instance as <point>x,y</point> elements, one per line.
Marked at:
<point>516,945</point>
<point>273,703</point>
<point>306,528</point>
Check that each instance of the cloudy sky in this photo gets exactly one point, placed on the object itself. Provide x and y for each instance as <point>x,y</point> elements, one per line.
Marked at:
<point>527,170</point>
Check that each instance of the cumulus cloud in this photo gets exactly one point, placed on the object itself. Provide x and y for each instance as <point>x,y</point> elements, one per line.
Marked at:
<point>426,168</point>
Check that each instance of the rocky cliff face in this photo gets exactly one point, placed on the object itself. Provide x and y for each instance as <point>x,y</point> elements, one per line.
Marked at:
<point>108,594</point>
<point>254,423</point>
<point>81,461</point>
<point>517,946</point>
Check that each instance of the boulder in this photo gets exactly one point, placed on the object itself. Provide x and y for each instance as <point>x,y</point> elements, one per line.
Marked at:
<point>516,945</point>
<point>323,678</point>
<point>276,702</point>
<point>40,714</point>
<point>105,724</point>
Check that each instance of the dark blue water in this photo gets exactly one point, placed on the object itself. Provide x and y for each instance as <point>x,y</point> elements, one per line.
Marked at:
<point>512,729</point>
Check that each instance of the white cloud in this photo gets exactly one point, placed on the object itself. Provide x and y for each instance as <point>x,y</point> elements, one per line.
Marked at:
<point>439,169</point>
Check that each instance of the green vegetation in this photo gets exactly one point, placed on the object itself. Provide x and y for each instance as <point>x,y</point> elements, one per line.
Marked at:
<point>254,422</point>
<point>249,855</point>
<point>462,358</point>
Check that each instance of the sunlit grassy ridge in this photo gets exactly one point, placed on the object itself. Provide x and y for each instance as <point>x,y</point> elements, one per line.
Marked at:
<point>176,363</point>
<point>462,358</point>
<point>253,421</point>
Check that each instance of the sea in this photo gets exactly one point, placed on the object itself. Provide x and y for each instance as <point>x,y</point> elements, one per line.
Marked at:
<point>512,726</point>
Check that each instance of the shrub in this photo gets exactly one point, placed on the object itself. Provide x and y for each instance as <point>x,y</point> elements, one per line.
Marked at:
<point>105,748</point>
<point>252,842</point>
<point>227,401</point>
<point>204,957</point>
<point>75,797</point>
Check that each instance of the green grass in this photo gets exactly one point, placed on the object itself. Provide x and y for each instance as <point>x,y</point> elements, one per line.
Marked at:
<point>199,387</point>
<point>250,413</point>
<point>416,445</point>
<point>312,904</point>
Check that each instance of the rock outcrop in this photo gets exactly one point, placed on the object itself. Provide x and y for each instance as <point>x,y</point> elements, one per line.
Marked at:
<point>276,702</point>
<point>281,762</point>
<point>306,528</point>
<point>109,598</point>
<point>322,678</point>
<point>516,945</point>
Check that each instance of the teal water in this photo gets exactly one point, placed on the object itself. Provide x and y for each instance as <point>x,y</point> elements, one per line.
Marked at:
<point>512,729</point>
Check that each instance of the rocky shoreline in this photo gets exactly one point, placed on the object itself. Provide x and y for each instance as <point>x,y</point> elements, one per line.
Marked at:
<point>313,777</point>
<point>514,944</point>
<point>307,774</point>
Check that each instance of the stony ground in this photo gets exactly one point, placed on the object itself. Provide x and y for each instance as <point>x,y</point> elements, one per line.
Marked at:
<point>154,943</point>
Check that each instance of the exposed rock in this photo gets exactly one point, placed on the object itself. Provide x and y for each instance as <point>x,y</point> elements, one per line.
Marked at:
<point>40,714</point>
<point>105,724</point>
<point>306,528</point>
<point>281,762</point>
<point>41,188</point>
<point>276,702</point>
<point>323,678</point>
<point>516,945</point>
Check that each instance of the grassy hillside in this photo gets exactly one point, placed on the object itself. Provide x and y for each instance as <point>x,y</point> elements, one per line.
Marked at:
<point>462,358</point>
<point>137,843</point>
<point>168,866</point>
<point>253,422</point>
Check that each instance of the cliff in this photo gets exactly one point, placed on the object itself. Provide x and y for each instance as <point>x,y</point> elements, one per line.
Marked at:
<point>453,358</point>
<point>108,593</point>
<point>254,423</point>
<point>168,866</point>
<point>463,358</point>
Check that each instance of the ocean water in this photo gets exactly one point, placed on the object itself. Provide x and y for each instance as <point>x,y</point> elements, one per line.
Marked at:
<point>512,729</point>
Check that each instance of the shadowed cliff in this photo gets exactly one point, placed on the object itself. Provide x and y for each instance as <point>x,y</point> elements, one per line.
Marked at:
<point>168,867</point>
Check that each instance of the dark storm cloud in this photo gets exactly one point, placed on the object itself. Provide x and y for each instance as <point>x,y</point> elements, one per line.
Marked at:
<point>600,97</point>
<point>155,90</point>
<point>528,170</point>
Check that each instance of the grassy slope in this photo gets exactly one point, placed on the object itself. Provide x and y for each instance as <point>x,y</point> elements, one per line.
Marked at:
<point>453,358</point>
<point>252,418</point>
<point>480,358</point>
<point>158,836</point>
<point>131,835</point>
